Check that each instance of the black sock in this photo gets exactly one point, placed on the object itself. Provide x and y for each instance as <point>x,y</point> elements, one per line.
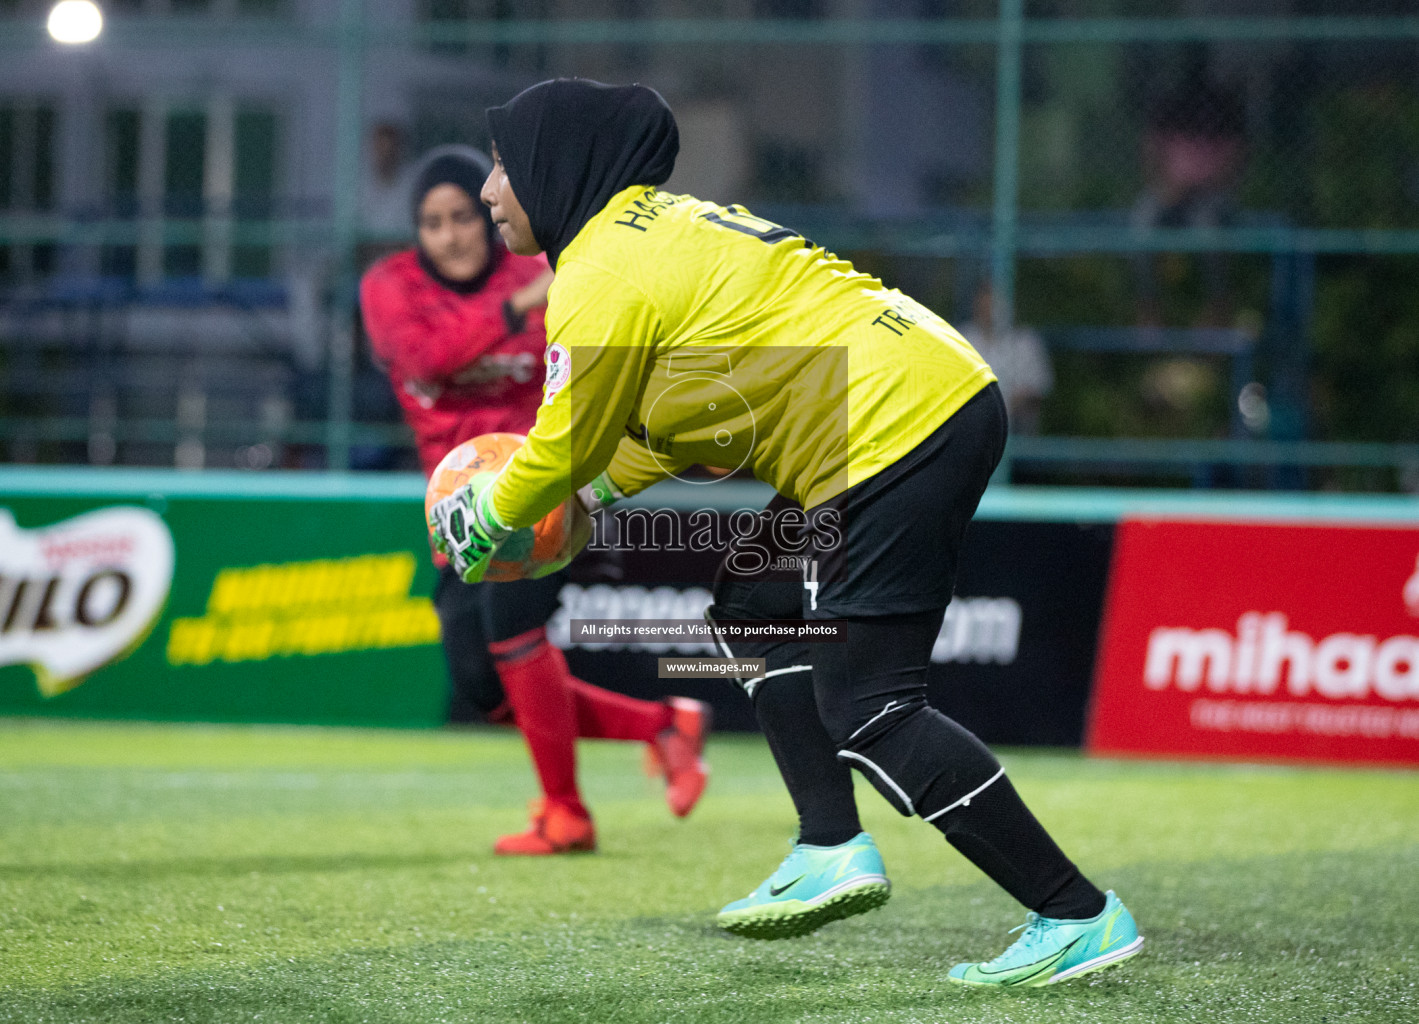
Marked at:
<point>820,784</point>
<point>997,833</point>
<point>935,763</point>
<point>872,697</point>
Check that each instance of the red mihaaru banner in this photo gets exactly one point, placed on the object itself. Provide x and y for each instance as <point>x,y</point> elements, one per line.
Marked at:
<point>1260,640</point>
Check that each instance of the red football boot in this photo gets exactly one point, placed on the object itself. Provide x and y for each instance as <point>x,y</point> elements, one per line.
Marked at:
<point>679,750</point>
<point>555,829</point>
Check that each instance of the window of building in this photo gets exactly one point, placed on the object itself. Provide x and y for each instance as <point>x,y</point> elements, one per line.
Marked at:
<point>191,173</point>
<point>786,172</point>
<point>121,143</point>
<point>254,184</point>
<point>27,180</point>
<point>184,160</point>
<point>531,57</point>
<point>196,8</point>
<point>796,9</point>
<point>26,156</point>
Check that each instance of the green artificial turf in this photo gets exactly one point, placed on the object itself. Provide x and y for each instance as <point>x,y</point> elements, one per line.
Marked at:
<point>220,874</point>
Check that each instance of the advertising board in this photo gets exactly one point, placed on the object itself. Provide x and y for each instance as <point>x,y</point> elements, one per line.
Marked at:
<point>1260,640</point>
<point>205,598</point>
<point>265,609</point>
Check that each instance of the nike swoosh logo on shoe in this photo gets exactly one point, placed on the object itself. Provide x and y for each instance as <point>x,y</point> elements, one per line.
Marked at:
<point>777,890</point>
<point>1039,968</point>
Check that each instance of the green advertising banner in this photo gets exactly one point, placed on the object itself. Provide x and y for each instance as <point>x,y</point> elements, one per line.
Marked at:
<point>217,597</point>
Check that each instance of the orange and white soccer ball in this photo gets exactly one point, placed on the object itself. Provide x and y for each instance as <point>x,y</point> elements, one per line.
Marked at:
<point>533,551</point>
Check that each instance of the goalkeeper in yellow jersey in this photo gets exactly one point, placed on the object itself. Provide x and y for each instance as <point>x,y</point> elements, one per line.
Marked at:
<point>681,332</point>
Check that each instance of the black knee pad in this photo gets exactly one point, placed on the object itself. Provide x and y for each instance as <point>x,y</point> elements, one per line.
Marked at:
<point>782,658</point>
<point>922,762</point>
<point>787,666</point>
<point>770,595</point>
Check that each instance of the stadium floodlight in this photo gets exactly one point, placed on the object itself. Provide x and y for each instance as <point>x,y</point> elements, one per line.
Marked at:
<point>75,21</point>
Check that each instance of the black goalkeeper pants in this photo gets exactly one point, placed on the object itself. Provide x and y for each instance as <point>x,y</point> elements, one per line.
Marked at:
<point>473,615</point>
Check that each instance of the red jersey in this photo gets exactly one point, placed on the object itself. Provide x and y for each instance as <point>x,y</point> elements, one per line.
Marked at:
<point>456,367</point>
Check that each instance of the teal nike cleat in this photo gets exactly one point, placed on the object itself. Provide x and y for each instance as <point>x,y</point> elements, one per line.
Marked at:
<point>812,887</point>
<point>1054,949</point>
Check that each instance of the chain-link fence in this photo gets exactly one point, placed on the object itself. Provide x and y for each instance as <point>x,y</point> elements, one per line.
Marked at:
<point>1183,233</point>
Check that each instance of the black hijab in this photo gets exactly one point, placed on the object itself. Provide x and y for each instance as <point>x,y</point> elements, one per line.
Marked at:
<point>466,168</point>
<point>570,144</point>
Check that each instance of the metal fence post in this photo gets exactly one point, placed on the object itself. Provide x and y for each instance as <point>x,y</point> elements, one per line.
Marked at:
<point>1006,212</point>
<point>343,234</point>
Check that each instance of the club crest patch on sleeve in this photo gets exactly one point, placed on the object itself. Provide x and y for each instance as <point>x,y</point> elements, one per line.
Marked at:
<point>559,371</point>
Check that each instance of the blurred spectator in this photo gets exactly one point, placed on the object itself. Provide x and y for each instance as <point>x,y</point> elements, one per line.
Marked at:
<point>386,179</point>
<point>1192,153</point>
<point>1018,357</point>
<point>386,200</point>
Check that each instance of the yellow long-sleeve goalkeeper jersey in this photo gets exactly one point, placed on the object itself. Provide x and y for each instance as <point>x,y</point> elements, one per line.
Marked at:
<point>681,332</point>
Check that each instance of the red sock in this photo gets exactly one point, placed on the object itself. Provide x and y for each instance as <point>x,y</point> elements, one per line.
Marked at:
<point>606,715</point>
<point>535,680</point>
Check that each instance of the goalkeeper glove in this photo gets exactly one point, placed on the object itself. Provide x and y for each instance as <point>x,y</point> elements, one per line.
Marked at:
<point>467,529</point>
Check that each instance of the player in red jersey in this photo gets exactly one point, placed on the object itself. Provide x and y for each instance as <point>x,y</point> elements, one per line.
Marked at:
<point>457,324</point>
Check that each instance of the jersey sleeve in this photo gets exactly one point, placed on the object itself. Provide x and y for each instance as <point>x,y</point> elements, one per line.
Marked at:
<point>634,467</point>
<point>604,331</point>
<point>423,332</point>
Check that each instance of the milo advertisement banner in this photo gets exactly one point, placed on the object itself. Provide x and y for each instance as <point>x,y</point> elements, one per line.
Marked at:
<point>309,607</point>
<point>82,593</point>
